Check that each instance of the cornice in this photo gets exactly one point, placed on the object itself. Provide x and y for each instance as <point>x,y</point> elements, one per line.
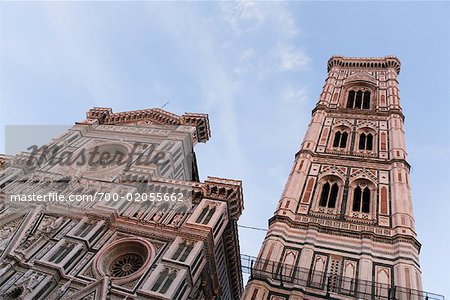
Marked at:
<point>346,232</point>
<point>362,114</point>
<point>381,63</point>
<point>159,116</point>
<point>353,161</point>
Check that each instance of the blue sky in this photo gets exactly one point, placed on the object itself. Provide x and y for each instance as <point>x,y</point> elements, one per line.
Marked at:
<point>256,68</point>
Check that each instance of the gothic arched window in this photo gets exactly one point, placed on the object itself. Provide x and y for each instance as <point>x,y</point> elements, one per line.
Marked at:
<point>351,99</point>
<point>183,251</point>
<point>337,139</point>
<point>206,214</point>
<point>168,282</point>
<point>366,100</point>
<point>361,199</point>
<point>162,276</point>
<point>329,195</point>
<point>202,214</point>
<point>365,141</point>
<point>358,99</point>
<point>340,139</point>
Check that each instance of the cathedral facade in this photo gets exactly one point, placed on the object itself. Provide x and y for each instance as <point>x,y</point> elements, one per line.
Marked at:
<point>77,224</point>
<point>344,226</point>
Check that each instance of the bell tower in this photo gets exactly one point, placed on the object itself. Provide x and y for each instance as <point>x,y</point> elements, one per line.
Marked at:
<point>344,226</point>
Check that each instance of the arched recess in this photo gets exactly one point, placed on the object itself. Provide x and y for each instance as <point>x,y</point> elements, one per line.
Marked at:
<point>289,262</point>
<point>340,138</point>
<point>382,277</point>
<point>362,199</point>
<point>329,194</point>
<point>349,275</point>
<point>318,272</point>
<point>359,95</point>
<point>366,140</point>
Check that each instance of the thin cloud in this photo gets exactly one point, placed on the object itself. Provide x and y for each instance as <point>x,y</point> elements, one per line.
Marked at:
<point>293,59</point>
<point>244,16</point>
<point>296,96</point>
<point>273,27</point>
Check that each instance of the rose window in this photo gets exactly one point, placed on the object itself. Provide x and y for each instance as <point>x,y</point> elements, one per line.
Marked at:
<point>126,265</point>
<point>124,260</point>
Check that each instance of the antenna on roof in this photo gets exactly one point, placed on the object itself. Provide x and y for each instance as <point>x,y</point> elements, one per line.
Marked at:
<point>165,104</point>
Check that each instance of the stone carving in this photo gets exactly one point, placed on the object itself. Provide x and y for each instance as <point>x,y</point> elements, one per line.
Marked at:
<point>45,230</point>
<point>176,219</point>
<point>8,230</point>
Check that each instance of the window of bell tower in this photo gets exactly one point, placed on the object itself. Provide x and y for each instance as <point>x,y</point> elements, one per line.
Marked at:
<point>358,99</point>
<point>329,194</point>
<point>362,200</point>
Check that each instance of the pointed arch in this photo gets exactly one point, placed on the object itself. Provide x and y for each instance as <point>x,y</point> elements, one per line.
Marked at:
<point>366,200</point>
<point>357,199</point>
<point>333,195</point>
<point>369,142</point>
<point>324,195</point>
<point>329,189</point>
<point>362,141</point>
<point>202,214</point>
<point>366,100</point>
<point>351,99</point>
<point>358,100</point>
<point>344,137</point>
<point>337,138</point>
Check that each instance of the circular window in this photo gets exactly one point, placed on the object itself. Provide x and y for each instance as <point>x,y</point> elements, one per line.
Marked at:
<point>124,260</point>
<point>126,265</point>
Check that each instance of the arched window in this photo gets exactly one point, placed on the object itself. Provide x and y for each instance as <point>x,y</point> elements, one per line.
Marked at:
<point>209,216</point>
<point>206,214</point>
<point>366,100</point>
<point>202,214</point>
<point>351,99</point>
<point>357,199</point>
<point>162,276</point>
<point>183,251</point>
<point>365,141</point>
<point>361,199</point>
<point>358,99</point>
<point>324,195</point>
<point>366,200</point>
<point>340,139</point>
<point>333,196</point>
<point>362,141</point>
<point>343,143</point>
<point>337,138</point>
<point>168,282</point>
<point>329,195</point>
<point>369,142</point>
